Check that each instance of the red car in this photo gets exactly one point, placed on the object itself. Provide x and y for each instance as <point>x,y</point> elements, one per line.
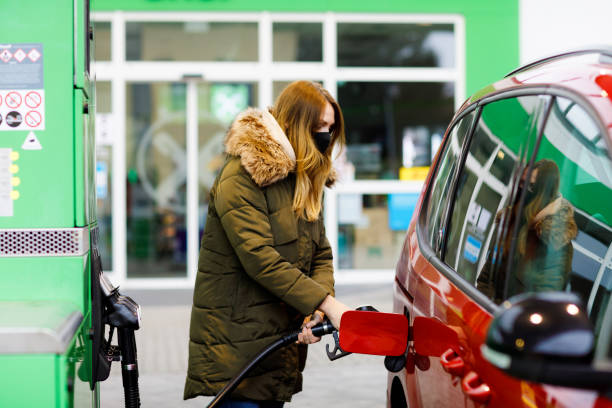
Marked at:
<point>506,270</point>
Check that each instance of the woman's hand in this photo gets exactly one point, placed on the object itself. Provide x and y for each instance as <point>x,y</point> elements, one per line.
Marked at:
<point>306,336</point>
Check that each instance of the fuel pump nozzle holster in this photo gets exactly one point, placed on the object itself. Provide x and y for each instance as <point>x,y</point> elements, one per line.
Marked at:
<point>120,313</point>
<point>123,314</point>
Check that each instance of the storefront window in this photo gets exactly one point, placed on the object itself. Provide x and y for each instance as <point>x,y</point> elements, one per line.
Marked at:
<point>191,41</point>
<point>390,125</point>
<point>298,42</point>
<point>102,41</point>
<point>396,45</point>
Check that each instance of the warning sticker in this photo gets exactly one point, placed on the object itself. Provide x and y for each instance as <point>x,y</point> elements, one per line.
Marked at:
<point>22,95</point>
<point>31,142</point>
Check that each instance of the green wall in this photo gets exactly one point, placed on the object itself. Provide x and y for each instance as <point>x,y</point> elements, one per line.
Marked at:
<point>492,37</point>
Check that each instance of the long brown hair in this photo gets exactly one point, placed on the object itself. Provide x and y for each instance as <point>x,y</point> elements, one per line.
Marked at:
<point>298,111</point>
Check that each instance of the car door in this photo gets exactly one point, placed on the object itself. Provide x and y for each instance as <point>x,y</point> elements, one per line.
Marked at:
<point>444,272</point>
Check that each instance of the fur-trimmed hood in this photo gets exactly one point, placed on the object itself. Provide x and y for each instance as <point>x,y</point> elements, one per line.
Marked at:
<point>555,224</point>
<point>263,148</point>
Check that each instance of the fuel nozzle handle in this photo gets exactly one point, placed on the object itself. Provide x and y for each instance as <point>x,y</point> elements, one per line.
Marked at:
<point>323,328</point>
<point>319,330</point>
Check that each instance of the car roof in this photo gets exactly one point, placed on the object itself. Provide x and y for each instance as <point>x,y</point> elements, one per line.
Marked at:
<point>586,72</point>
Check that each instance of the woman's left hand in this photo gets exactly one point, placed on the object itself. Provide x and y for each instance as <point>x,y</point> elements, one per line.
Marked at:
<point>306,336</point>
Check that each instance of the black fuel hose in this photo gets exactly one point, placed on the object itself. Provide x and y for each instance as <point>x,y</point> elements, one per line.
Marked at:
<point>318,331</point>
<point>129,367</point>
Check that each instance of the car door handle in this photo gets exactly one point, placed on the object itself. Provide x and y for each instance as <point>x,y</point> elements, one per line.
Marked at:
<point>452,363</point>
<point>475,389</point>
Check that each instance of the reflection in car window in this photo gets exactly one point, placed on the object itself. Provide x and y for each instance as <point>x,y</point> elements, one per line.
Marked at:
<point>506,130</point>
<point>541,228</point>
<point>441,182</point>
<point>572,141</point>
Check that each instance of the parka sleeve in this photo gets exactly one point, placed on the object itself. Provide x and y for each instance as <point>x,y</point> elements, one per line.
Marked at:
<point>242,209</point>
<point>322,269</point>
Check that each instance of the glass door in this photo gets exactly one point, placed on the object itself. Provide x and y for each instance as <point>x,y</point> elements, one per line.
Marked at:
<point>156,179</point>
<point>174,150</point>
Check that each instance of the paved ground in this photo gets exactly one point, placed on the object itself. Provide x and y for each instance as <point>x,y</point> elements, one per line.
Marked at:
<point>354,381</point>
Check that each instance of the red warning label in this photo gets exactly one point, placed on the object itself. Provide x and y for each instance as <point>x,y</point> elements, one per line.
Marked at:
<point>33,119</point>
<point>6,55</point>
<point>33,99</point>
<point>13,100</point>
<point>34,55</point>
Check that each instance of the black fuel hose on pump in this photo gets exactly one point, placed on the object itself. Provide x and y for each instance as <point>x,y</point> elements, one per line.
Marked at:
<point>318,331</point>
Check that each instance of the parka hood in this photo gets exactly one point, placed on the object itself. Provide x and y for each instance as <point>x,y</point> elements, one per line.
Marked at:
<point>263,148</point>
<point>555,224</point>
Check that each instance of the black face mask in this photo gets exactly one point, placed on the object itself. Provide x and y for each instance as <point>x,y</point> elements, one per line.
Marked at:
<point>322,140</point>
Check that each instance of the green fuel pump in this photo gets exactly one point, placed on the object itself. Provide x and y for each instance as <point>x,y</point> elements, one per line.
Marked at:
<point>55,302</point>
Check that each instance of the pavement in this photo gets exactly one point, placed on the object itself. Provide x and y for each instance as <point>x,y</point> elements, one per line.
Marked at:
<point>357,381</point>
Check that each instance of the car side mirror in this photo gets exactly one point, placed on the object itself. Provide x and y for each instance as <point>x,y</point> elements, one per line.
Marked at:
<point>545,337</point>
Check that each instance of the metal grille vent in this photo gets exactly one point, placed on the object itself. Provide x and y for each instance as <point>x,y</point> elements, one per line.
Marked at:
<point>43,242</point>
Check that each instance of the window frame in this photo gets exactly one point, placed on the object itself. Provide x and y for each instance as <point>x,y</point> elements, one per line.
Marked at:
<point>436,258</point>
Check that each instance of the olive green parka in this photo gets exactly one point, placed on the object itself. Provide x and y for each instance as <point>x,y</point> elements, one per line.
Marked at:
<point>261,269</point>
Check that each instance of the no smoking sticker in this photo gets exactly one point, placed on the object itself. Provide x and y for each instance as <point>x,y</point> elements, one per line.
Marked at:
<point>33,119</point>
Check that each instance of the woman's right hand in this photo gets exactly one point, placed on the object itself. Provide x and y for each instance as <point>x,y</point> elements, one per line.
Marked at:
<point>333,309</point>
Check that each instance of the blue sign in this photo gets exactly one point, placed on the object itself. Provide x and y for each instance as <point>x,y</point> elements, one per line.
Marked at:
<point>401,207</point>
<point>471,250</point>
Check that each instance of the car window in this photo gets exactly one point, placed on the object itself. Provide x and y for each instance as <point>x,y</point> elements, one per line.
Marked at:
<point>564,241</point>
<point>506,130</point>
<point>442,180</point>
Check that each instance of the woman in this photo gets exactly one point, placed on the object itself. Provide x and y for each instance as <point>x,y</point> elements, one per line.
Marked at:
<point>543,248</point>
<point>265,265</point>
